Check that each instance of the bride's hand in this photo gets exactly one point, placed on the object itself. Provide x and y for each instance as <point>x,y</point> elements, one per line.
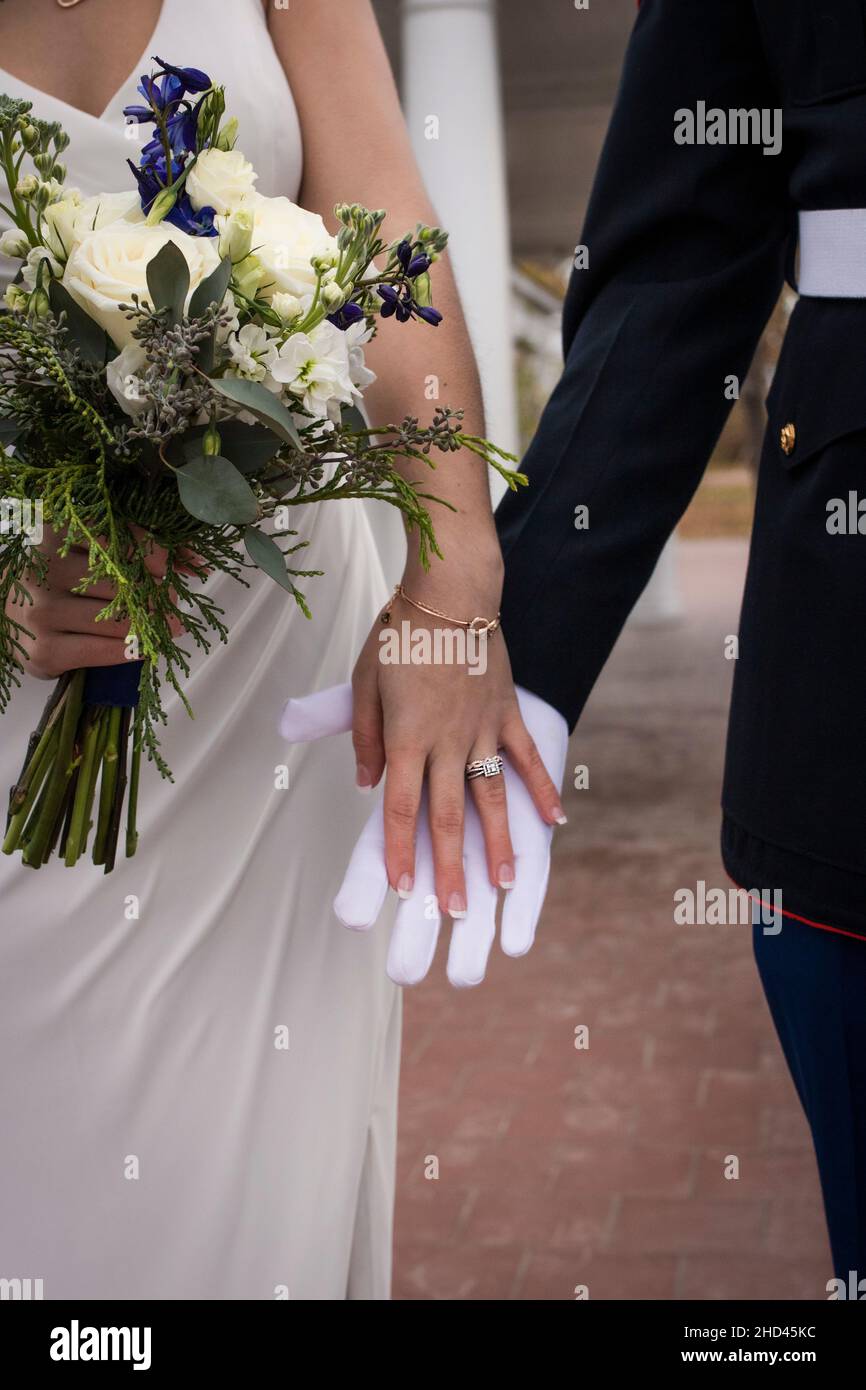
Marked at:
<point>62,631</point>
<point>434,719</point>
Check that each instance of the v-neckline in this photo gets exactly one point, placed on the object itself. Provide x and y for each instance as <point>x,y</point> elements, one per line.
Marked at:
<point>132,76</point>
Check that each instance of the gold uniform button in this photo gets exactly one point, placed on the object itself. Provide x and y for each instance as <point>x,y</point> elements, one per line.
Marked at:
<point>788,438</point>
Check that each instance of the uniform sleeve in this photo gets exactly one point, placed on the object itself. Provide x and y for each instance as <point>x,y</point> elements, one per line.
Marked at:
<point>686,247</point>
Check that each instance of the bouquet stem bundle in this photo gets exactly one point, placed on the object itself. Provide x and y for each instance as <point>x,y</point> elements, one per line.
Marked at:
<point>75,780</point>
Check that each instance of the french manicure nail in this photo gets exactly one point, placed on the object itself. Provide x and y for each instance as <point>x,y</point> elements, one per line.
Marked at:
<point>559,815</point>
<point>405,884</point>
<point>456,905</point>
<point>505,876</point>
<point>363,780</point>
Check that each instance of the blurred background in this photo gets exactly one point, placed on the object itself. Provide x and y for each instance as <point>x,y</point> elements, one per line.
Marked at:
<point>563,1170</point>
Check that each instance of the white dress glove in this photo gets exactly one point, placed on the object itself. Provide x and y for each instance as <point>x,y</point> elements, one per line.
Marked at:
<point>416,929</point>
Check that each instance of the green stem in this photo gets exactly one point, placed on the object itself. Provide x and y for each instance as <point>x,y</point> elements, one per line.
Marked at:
<point>134,776</point>
<point>79,825</point>
<point>60,774</point>
<point>107,787</point>
<point>37,771</point>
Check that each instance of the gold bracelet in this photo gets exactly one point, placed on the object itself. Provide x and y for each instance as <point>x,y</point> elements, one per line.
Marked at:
<point>485,625</point>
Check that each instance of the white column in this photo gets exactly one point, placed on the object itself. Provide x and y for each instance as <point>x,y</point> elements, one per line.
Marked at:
<point>453,105</point>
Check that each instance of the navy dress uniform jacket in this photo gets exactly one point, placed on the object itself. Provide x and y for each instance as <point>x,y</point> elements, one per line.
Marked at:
<point>688,249</point>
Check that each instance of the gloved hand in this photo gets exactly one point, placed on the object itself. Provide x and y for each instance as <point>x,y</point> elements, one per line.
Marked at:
<point>416,929</point>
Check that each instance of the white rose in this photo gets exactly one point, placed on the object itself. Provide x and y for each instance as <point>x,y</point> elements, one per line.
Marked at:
<point>314,367</point>
<point>70,220</point>
<point>124,379</point>
<point>220,179</point>
<point>285,237</point>
<point>109,266</point>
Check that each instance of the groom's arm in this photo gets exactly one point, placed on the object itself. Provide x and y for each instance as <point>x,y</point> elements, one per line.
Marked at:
<point>686,247</point>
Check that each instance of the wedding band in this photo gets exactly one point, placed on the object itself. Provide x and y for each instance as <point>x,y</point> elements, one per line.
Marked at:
<point>484,767</point>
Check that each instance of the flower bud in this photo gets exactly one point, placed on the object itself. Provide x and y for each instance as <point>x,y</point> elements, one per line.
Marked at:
<point>26,186</point>
<point>248,275</point>
<point>39,304</point>
<point>333,295</point>
<point>211,443</point>
<point>16,298</point>
<point>236,234</point>
<point>422,292</point>
<point>288,306</point>
<point>14,243</point>
<point>228,135</point>
<point>30,138</point>
<point>162,205</point>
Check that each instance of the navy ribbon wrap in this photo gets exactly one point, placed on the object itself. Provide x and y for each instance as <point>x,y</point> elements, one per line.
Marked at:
<point>116,686</point>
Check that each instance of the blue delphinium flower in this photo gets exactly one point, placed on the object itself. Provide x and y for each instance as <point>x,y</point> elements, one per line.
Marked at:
<point>175,121</point>
<point>193,79</point>
<point>345,317</point>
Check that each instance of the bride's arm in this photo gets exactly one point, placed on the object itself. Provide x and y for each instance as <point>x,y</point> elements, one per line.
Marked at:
<point>356,149</point>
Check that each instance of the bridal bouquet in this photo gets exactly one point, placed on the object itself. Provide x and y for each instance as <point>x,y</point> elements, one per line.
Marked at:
<point>181,364</point>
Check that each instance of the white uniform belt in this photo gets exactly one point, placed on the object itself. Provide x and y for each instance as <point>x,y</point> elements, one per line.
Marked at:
<point>833,253</point>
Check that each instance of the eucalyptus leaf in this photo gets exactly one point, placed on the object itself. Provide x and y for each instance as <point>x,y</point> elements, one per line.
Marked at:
<point>9,432</point>
<point>259,401</point>
<point>265,553</point>
<point>250,447</point>
<point>211,290</point>
<point>168,280</point>
<point>92,341</point>
<point>213,491</point>
<point>352,419</point>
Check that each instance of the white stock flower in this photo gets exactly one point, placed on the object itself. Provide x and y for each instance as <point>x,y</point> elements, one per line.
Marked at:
<point>220,179</point>
<point>356,336</point>
<point>314,367</point>
<point>252,352</point>
<point>31,266</point>
<point>229,307</point>
<point>124,379</point>
<point>285,237</point>
<point>70,220</point>
<point>110,265</point>
<point>13,243</point>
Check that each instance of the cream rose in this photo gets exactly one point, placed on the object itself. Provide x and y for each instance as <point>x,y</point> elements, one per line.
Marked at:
<point>69,221</point>
<point>220,179</point>
<point>109,266</point>
<point>285,237</point>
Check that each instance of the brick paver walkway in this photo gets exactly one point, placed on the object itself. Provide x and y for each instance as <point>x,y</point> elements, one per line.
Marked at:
<point>605,1167</point>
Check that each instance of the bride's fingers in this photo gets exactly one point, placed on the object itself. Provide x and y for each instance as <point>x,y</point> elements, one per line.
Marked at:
<point>473,936</point>
<point>489,796</point>
<point>367,734</point>
<point>525,757</point>
<point>447,804</point>
<point>403,782</point>
<point>416,926</point>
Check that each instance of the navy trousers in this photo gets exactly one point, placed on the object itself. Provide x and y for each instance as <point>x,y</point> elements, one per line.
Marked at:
<point>815,983</point>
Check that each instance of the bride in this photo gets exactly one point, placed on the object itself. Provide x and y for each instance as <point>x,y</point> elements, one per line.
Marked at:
<point>199,1067</point>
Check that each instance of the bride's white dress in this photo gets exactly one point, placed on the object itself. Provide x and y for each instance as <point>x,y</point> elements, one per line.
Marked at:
<point>157,1136</point>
